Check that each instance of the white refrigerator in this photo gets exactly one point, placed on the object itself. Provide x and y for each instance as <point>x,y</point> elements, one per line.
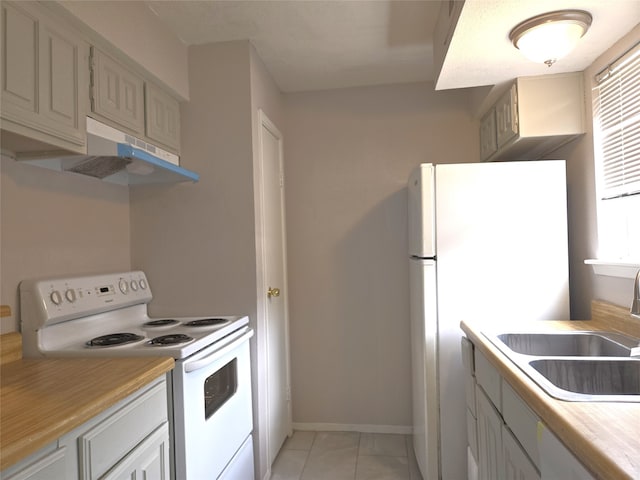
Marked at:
<point>487,242</point>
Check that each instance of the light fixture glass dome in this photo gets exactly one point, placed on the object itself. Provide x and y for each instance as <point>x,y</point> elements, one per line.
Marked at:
<point>549,37</point>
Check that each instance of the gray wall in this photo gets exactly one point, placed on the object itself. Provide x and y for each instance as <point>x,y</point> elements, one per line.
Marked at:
<point>57,224</point>
<point>196,241</point>
<point>348,154</point>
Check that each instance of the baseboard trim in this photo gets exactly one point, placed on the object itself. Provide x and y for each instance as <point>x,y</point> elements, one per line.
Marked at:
<point>348,427</point>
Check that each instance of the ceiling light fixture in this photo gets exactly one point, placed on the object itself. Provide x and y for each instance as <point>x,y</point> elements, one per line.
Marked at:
<point>550,36</point>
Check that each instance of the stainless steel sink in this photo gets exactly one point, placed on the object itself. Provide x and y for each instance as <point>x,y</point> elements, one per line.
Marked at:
<point>586,366</point>
<point>578,344</point>
<point>589,379</point>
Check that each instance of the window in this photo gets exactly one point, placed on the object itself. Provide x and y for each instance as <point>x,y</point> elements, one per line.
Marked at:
<point>617,155</point>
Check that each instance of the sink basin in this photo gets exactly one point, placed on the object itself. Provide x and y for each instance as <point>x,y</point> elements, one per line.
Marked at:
<point>591,377</point>
<point>573,344</point>
<point>586,366</point>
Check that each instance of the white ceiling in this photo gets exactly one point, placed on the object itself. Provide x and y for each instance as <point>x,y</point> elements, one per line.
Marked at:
<point>323,44</point>
<point>482,54</point>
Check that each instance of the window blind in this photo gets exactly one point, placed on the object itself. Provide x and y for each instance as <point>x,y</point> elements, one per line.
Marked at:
<point>618,117</point>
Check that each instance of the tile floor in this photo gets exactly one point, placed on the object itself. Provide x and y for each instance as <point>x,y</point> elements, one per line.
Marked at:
<point>346,456</point>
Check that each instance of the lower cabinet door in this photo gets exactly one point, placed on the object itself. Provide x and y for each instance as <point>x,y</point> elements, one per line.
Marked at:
<point>149,460</point>
<point>489,439</point>
<point>517,465</point>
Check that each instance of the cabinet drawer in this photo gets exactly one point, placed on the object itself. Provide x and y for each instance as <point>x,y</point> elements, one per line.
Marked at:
<point>109,441</point>
<point>556,461</point>
<point>517,465</point>
<point>489,379</point>
<point>45,467</point>
<point>522,422</point>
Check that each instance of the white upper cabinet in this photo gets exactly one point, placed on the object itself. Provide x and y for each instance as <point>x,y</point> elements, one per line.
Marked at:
<point>533,117</point>
<point>44,86</point>
<point>126,100</point>
<point>506,109</point>
<point>488,137</point>
<point>162,113</point>
<point>116,93</point>
<point>56,72</point>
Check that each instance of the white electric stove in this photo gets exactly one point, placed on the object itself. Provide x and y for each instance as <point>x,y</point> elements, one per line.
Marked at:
<point>209,388</point>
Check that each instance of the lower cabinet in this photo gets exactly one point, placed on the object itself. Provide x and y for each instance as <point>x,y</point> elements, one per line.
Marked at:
<point>149,460</point>
<point>115,437</point>
<point>512,442</point>
<point>128,440</point>
<point>490,464</point>
<point>500,456</point>
<point>503,452</point>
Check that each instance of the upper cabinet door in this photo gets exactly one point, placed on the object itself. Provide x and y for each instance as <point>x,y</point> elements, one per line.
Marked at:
<point>162,113</point>
<point>63,80</point>
<point>44,86</point>
<point>507,116</point>
<point>116,93</point>
<point>488,144</point>
<point>19,61</point>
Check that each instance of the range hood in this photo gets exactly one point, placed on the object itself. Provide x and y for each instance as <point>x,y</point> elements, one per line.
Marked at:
<point>117,157</point>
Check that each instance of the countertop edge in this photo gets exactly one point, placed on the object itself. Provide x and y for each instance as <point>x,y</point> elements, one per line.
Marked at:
<point>595,459</point>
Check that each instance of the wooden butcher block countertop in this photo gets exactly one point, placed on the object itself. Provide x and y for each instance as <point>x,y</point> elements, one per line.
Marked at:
<point>604,436</point>
<point>42,399</point>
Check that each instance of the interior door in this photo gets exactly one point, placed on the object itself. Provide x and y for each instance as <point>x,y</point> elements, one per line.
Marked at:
<point>274,284</point>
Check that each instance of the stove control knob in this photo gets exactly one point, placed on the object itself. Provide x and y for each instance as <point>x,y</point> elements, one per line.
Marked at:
<point>124,286</point>
<point>55,297</point>
<point>134,285</point>
<point>143,284</point>
<point>70,295</point>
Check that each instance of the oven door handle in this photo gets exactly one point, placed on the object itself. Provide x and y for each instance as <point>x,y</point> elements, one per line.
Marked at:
<point>218,353</point>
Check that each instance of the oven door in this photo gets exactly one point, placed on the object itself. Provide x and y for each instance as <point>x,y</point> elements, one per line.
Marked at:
<point>212,407</point>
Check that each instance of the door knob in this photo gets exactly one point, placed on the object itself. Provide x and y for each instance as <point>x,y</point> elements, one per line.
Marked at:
<point>273,292</point>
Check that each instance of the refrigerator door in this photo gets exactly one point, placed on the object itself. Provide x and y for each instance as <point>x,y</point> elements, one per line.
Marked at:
<point>502,240</point>
<point>502,258</point>
<point>421,212</point>
<point>424,331</point>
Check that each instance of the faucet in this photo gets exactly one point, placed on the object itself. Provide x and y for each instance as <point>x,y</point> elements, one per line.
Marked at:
<point>635,306</point>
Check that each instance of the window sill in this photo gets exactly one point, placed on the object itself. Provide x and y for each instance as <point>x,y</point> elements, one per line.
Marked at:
<point>614,268</point>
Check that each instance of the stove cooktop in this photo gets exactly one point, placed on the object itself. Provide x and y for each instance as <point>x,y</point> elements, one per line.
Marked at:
<point>106,315</point>
<point>177,339</point>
